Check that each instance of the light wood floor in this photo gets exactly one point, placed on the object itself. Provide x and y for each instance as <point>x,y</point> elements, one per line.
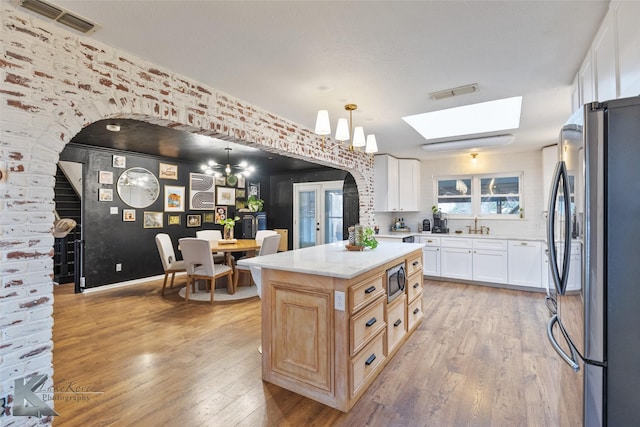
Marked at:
<point>479,358</point>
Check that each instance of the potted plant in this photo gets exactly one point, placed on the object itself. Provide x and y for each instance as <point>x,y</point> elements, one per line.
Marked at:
<point>368,238</point>
<point>255,204</point>
<point>228,224</point>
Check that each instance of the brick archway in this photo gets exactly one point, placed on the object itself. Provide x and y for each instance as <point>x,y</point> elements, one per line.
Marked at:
<point>52,84</point>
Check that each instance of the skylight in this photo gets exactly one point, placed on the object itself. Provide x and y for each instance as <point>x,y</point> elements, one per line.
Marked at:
<point>490,116</point>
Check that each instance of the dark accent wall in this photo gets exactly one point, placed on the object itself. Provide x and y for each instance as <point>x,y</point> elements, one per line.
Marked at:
<point>280,206</point>
<point>350,204</point>
<point>109,240</point>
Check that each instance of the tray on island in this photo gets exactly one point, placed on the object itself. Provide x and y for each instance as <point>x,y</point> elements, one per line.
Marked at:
<point>227,241</point>
<point>354,248</point>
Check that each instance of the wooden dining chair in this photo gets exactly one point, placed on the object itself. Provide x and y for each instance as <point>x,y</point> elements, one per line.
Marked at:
<point>269,246</point>
<point>199,264</point>
<point>213,236</point>
<point>168,257</point>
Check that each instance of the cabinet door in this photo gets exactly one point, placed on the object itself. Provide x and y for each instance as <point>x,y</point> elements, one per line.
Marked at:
<point>525,261</point>
<point>626,17</point>
<point>544,273</point>
<point>604,61</point>
<point>549,160</point>
<point>574,282</point>
<point>431,261</point>
<point>385,182</point>
<point>456,263</point>
<point>490,266</point>
<point>408,184</point>
<point>585,79</point>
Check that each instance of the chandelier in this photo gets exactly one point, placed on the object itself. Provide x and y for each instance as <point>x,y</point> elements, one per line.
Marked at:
<point>241,169</point>
<point>345,131</point>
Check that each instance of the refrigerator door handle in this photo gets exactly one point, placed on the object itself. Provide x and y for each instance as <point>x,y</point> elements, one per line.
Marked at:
<point>570,360</point>
<point>559,281</point>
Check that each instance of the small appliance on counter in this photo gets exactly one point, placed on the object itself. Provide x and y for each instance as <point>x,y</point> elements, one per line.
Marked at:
<point>426,225</point>
<point>439,223</point>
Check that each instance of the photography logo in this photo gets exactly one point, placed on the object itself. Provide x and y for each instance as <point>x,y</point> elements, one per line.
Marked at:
<point>25,392</point>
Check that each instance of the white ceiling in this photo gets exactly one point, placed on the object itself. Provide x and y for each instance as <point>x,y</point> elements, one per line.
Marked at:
<point>294,58</point>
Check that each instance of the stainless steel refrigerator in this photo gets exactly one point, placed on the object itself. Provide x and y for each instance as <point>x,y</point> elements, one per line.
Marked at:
<point>596,331</point>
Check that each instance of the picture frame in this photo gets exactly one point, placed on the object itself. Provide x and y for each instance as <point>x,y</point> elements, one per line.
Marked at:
<point>105,194</point>
<point>241,204</point>
<point>221,213</point>
<point>174,219</point>
<point>152,219</point>
<point>241,181</point>
<point>225,196</point>
<point>254,189</point>
<point>167,171</point>
<point>194,220</point>
<point>241,193</point>
<point>105,177</point>
<point>208,218</point>
<point>119,161</point>
<point>174,198</point>
<point>221,181</point>
<point>128,215</point>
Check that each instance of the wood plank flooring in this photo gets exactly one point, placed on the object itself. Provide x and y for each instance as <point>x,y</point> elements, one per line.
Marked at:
<point>479,358</point>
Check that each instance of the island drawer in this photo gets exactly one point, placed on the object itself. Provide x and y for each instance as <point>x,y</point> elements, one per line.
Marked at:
<point>414,263</point>
<point>396,323</point>
<point>363,293</point>
<point>414,285</point>
<point>365,365</point>
<point>414,313</point>
<point>366,324</point>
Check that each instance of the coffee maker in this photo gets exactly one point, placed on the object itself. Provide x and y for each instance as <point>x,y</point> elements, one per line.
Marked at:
<point>426,225</point>
<point>439,223</point>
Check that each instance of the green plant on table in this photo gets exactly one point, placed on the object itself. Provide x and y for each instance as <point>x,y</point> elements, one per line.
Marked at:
<point>229,222</point>
<point>255,204</point>
<point>368,238</point>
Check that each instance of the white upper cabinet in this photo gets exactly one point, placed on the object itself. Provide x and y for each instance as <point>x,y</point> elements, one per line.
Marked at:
<point>611,68</point>
<point>603,58</point>
<point>626,15</point>
<point>396,184</point>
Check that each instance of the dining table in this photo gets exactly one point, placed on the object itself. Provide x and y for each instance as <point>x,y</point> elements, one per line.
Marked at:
<point>250,246</point>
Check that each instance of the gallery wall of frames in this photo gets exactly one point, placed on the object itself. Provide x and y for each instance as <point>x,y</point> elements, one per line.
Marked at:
<point>128,198</point>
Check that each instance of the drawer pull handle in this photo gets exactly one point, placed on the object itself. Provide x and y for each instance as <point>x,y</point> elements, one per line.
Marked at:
<point>369,290</point>
<point>416,311</point>
<point>415,263</point>
<point>429,241</point>
<point>416,285</point>
<point>371,322</point>
<point>523,243</point>
<point>370,359</point>
<point>397,322</point>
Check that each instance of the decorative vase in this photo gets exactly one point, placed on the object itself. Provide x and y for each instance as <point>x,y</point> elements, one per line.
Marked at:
<point>228,233</point>
<point>352,235</point>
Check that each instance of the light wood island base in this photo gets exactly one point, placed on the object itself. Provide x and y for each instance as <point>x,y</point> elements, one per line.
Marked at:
<point>328,338</point>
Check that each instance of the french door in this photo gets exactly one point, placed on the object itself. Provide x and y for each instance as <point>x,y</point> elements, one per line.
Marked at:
<point>317,213</point>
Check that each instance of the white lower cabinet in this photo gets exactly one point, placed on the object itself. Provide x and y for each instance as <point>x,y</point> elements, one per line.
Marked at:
<point>525,259</point>
<point>456,258</point>
<point>430,255</point>
<point>490,266</point>
<point>574,282</point>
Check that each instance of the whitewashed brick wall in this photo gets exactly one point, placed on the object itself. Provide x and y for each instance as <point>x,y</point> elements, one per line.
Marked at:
<point>52,84</point>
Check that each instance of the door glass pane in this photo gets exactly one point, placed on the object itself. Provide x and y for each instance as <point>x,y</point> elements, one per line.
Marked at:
<point>307,219</point>
<point>333,216</point>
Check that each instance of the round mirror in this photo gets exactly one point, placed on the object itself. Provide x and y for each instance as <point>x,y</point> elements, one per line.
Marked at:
<point>138,187</point>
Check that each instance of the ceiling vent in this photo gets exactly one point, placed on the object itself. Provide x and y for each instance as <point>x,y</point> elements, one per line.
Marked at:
<point>460,90</point>
<point>60,15</point>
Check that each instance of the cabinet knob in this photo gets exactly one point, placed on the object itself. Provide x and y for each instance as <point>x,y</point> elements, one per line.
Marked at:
<point>416,311</point>
<point>416,285</point>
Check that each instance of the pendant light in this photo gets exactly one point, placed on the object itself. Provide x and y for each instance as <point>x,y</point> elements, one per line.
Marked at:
<point>345,130</point>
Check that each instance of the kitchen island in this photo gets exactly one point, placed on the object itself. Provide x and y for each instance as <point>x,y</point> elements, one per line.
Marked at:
<point>327,327</point>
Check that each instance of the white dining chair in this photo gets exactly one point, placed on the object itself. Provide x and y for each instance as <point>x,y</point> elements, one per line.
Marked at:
<point>213,236</point>
<point>168,257</point>
<point>261,234</point>
<point>199,264</point>
<point>269,246</point>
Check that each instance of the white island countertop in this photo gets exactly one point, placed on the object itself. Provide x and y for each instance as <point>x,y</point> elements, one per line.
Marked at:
<point>333,259</point>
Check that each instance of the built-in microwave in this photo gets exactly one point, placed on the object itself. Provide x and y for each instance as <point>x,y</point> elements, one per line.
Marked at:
<point>396,282</point>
